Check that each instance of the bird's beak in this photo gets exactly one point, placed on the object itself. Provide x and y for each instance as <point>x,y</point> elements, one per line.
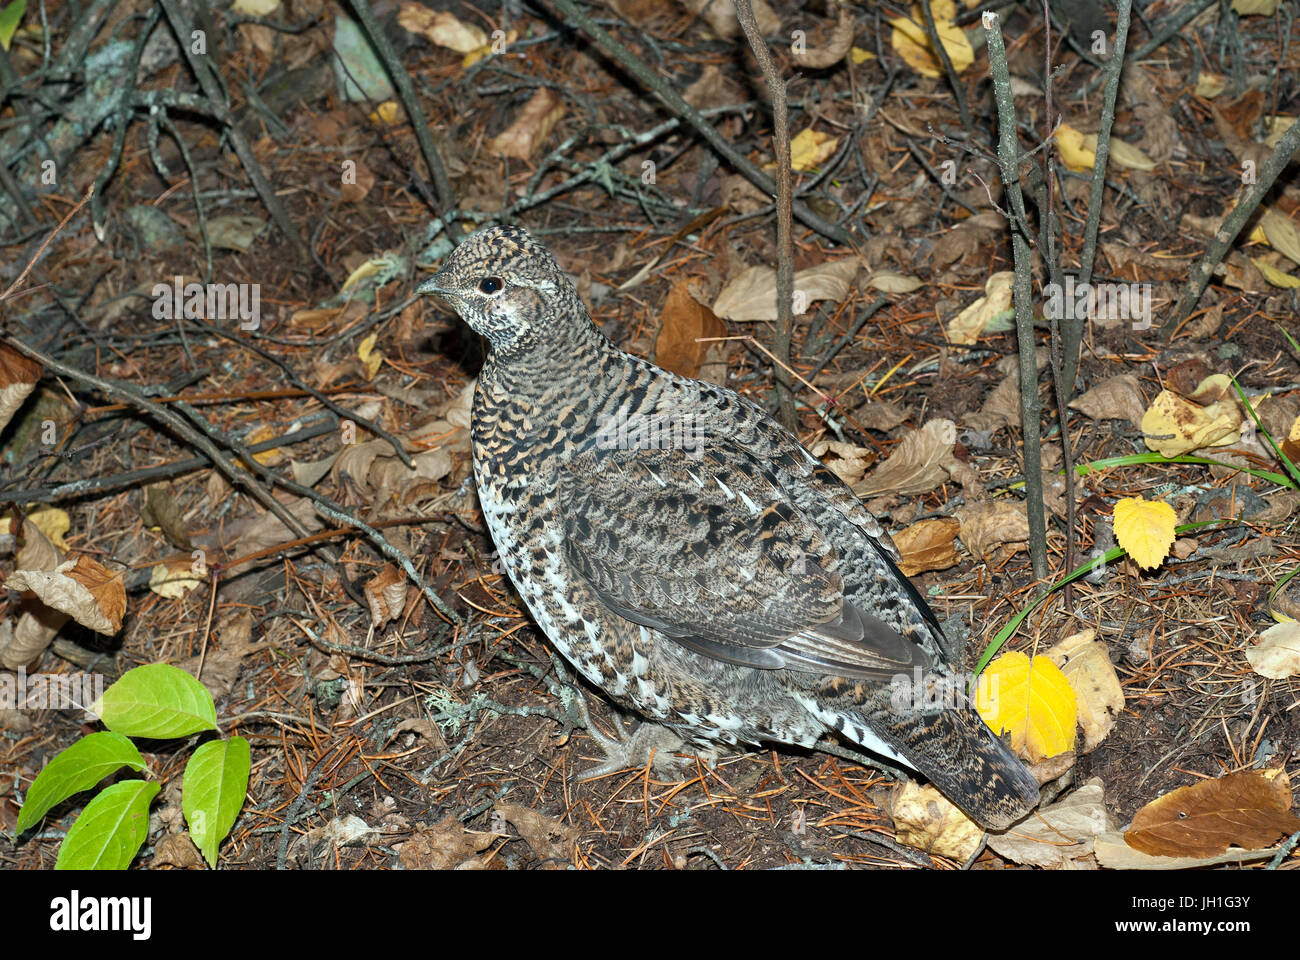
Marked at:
<point>435,284</point>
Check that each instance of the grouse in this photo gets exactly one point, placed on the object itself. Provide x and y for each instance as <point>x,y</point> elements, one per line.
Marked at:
<point>689,557</point>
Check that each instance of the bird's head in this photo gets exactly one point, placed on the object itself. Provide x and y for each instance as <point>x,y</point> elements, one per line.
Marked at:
<point>507,287</point>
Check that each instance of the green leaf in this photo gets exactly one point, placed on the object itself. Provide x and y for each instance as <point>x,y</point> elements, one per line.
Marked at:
<point>77,768</point>
<point>213,793</point>
<point>10,17</point>
<point>111,830</point>
<point>158,701</point>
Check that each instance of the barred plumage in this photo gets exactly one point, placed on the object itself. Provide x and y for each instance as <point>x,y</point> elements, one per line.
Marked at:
<point>688,556</point>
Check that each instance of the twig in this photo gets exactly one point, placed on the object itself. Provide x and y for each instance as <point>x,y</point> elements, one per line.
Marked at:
<point>634,65</point>
<point>1009,160</point>
<point>784,199</point>
<point>1074,326</point>
<point>1231,226</point>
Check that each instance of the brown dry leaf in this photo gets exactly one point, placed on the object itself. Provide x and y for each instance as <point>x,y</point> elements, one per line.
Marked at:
<point>683,322</point>
<point>357,182</point>
<point>833,50</point>
<point>37,624</point>
<point>752,294</point>
<point>175,578</point>
<point>442,847</point>
<point>81,588</point>
<point>386,595</point>
<point>441,28</point>
<point>891,281</point>
<point>18,377</point>
<point>916,465</point>
<point>1114,854</point>
<point>420,727</point>
<point>1063,831</point>
<point>927,545</point>
<point>251,534</point>
<point>848,462</point>
<point>177,850</point>
<point>1115,398</point>
<point>221,663</point>
<point>1097,690</point>
<point>967,326</point>
<point>549,837</point>
<point>161,510</point>
<point>531,126</point>
<point>1277,655</point>
<point>882,415</point>
<point>924,818</point>
<point>720,15</point>
<point>35,551</point>
<point>993,523</point>
<point>1249,809</point>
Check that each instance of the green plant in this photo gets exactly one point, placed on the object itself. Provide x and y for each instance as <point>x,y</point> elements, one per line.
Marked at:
<point>155,701</point>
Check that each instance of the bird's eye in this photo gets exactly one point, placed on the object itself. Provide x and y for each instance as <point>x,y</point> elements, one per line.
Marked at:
<point>491,285</point>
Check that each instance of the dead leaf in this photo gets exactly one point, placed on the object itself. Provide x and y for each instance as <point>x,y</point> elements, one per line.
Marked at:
<point>81,588</point>
<point>1249,809</point>
<point>18,378</point>
<point>549,837</point>
<point>386,595</point>
<point>441,28</point>
<point>531,126</point>
<point>991,524</point>
<point>929,544</point>
<point>916,464</point>
<point>1114,854</point>
<point>924,818</point>
<point>1097,690</point>
<point>1277,655</point>
<point>1115,398</point>
<point>752,294</point>
<point>683,322</point>
<point>720,15</point>
<point>1063,831</point>
<point>831,52</point>
<point>848,462</point>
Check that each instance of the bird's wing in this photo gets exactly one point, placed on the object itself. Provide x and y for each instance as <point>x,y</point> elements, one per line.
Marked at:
<point>710,551</point>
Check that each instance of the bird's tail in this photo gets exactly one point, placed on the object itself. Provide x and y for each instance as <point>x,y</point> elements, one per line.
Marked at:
<point>960,755</point>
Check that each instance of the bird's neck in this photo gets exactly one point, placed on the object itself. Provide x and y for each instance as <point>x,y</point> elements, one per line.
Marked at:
<point>560,361</point>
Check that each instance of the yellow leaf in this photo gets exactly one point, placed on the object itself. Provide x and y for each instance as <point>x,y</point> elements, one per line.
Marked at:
<point>1257,8</point>
<point>52,522</point>
<point>367,269</point>
<point>861,56</point>
<point>1124,154</point>
<point>1210,85</point>
<point>370,358</point>
<point>1273,275</point>
<point>1281,233</point>
<point>1278,126</point>
<point>911,42</point>
<point>1145,528</point>
<point>1173,425</point>
<point>810,149</point>
<point>489,48</point>
<point>1075,152</point>
<point>266,458</point>
<point>388,113</point>
<point>1032,701</point>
